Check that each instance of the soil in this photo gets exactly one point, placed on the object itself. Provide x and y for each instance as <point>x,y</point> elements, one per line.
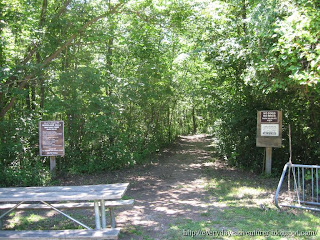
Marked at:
<point>172,187</point>
<point>169,189</point>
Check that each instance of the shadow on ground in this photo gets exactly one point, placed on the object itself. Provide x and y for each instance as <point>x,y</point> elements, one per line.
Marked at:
<point>186,187</point>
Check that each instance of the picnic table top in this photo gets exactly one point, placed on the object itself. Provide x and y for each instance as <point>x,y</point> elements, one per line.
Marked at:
<point>64,193</point>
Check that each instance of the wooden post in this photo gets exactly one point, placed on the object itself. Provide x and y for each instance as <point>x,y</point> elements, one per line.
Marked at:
<point>268,159</point>
<point>52,164</point>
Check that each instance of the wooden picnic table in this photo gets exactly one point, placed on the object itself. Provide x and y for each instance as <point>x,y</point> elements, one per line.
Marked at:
<point>97,193</point>
<point>63,193</point>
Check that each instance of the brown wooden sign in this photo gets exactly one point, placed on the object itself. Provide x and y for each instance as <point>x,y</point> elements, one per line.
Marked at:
<point>269,117</point>
<point>51,138</point>
<point>269,128</point>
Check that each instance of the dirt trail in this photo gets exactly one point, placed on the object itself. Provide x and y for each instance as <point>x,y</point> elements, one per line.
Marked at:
<point>169,189</point>
<point>184,183</point>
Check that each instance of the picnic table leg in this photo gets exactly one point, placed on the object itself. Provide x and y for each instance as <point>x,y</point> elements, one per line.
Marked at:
<point>103,214</point>
<point>97,214</point>
<point>113,219</point>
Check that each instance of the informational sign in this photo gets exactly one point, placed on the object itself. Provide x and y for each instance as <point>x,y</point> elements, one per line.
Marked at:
<point>51,138</point>
<point>269,128</point>
<point>269,117</point>
<point>269,134</point>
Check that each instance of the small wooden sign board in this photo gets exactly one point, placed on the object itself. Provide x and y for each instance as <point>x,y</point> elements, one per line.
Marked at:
<point>269,133</point>
<point>51,140</point>
<point>269,128</point>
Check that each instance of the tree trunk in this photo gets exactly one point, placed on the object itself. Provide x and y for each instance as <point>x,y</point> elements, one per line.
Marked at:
<point>54,55</point>
<point>194,122</point>
<point>28,101</point>
<point>244,16</point>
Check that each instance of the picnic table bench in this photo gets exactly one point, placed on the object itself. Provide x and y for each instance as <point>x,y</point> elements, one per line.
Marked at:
<point>103,196</point>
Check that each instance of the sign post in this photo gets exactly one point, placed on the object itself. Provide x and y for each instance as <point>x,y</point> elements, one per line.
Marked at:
<point>268,160</point>
<point>51,140</point>
<point>269,133</point>
<point>52,163</point>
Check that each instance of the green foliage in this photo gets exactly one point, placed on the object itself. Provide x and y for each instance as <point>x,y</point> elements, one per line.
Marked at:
<point>20,162</point>
<point>110,82</point>
<point>127,77</point>
<point>268,60</point>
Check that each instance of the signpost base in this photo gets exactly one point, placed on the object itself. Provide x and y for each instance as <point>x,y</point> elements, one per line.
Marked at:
<point>268,160</point>
<point>52,164</point>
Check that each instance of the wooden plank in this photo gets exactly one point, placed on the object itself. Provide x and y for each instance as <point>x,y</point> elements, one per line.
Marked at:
<point>268,142</point>
<point>61,234</point>
<point>83,188</point>
<point>118,203</point>
<point>88,192</point>
<point>44,206</point>
<point>72,196</point>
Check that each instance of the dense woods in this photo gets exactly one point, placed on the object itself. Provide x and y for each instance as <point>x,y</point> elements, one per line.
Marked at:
<point>128,76</point>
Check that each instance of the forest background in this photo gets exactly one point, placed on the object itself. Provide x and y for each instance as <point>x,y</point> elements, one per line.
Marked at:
<point>128,76</point>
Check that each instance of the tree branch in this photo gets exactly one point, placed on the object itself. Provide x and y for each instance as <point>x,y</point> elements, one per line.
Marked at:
<point>63,8</point>
<point>33,47</point>
<point>68,42</point>
<point>57,52</point>
<point>13,99</point>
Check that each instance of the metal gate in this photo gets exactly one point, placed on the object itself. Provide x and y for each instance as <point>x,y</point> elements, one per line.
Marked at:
<point>303,187</point>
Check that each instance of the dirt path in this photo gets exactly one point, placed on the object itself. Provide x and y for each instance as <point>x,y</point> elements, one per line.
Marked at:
<point>165,191</point>
<point>169,190</point>
<point>176,188</point>
<point>185,187</point>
